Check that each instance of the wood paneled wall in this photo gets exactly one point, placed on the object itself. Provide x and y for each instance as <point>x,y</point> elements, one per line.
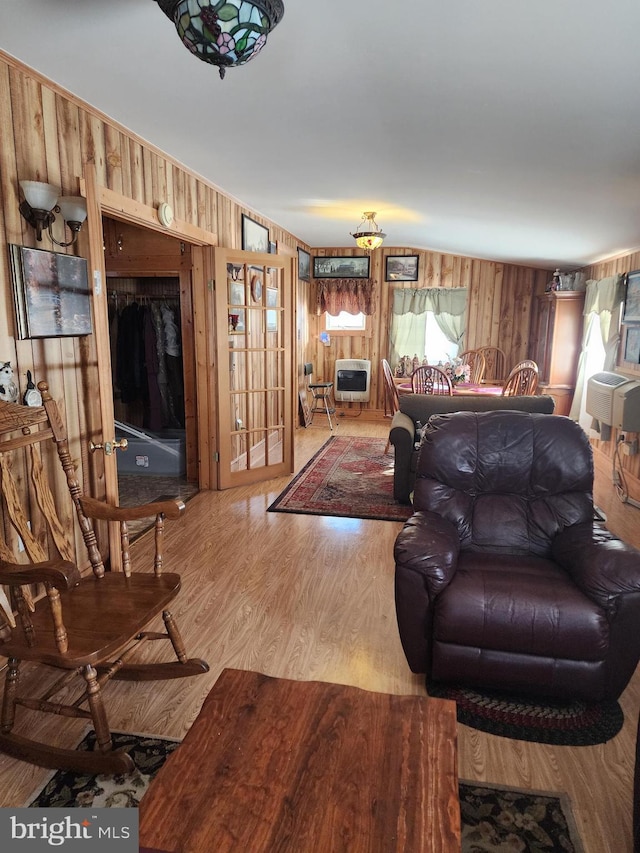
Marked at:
<point>50,135</point>
<point>499,309</point>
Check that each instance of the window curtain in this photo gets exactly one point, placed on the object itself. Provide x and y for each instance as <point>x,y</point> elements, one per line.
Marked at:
<point>353,295</point>
<point>409,318</point>
<point>602,306</point>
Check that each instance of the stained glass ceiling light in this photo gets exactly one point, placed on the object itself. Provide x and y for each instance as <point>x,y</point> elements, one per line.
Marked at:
<point>368,235</point>
<point>223,32</point>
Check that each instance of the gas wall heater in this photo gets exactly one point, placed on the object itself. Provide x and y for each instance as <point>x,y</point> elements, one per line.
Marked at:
<point>352,381</point>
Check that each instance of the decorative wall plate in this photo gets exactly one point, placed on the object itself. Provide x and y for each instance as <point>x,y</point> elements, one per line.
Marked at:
<point>256,287</point>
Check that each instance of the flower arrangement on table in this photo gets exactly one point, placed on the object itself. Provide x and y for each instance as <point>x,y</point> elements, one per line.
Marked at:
<point>457,371</point>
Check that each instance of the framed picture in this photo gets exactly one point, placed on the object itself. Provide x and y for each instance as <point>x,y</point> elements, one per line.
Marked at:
<point>341,267</point>
<point>51,294</point>
<point>255,237</point>
<point>401,268</point>
<point>272,321</point>
<point>632,301</point>
<point>236,293</point>
<point>305,411</point>
<point>304,265</point>
<point>272,297</point>
<point>632,345</point>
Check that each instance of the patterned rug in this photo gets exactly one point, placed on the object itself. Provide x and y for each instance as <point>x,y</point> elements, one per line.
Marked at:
<point>494,819</point>
<point>348,476</point>
<point>574,723</point>
<point>513,820</point>
<point>66,789</point>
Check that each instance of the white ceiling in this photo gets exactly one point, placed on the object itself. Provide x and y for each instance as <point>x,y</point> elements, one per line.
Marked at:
<point>502,129</point>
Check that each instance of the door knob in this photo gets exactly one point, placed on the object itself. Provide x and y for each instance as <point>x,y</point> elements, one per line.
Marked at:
<point>109,446</point>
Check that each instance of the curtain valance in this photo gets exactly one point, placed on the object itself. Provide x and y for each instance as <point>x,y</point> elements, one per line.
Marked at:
<point>604,295</point>
<point>353,295</point>
<point>439,300</point>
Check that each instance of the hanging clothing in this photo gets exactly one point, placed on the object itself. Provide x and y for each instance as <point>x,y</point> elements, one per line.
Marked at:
<point>153,415</point>
<point>147,360</point>
<point>173,361</point>
<point>130,353</point>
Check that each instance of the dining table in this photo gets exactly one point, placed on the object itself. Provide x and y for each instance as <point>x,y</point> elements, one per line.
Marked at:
<point>458,388</point>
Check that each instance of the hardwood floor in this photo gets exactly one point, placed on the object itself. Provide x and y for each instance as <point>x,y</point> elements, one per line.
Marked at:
<point>310,597</point>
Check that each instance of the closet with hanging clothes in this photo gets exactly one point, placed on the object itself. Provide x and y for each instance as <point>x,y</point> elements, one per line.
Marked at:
<point>147,373</point>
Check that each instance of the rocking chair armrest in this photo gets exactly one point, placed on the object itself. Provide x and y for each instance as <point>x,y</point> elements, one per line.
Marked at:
<point>93,508</point>
<point>59,573</point>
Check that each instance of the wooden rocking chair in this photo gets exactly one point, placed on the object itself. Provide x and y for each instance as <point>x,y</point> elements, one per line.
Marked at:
<point>86,625</point>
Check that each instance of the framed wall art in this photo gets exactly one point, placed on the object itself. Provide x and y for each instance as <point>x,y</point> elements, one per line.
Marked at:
<point>255,237</point>
<point>341,267</point>
<point>632,344</point>
<point>401,268</point>
<point>304,265</point>
<point>632,301</point>
<point>51,294</point>
<point>272,321</point>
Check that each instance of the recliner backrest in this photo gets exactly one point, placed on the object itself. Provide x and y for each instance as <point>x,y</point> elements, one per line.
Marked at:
<point>508,480</point>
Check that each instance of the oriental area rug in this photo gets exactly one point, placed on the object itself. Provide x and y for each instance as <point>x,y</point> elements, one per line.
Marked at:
<point>573,723</point>
<point>494,819</point>
<point>349,476</point>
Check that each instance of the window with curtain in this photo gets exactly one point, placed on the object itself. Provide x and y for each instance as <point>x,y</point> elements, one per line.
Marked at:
<point>415,316</point>
<point>600,339</point>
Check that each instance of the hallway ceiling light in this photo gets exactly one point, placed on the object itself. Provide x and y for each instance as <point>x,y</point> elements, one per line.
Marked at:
<point>223,32</point>
<point>368,235</point>
<point>40,205</point>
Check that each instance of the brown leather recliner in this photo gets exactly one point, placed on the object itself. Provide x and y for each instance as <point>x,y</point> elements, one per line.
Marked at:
<point>503,579</point>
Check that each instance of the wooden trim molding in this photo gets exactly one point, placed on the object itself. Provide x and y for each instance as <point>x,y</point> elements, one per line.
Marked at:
<point>136,212</point>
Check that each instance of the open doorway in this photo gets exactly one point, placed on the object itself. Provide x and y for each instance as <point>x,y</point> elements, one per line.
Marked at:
<point>152,357</point>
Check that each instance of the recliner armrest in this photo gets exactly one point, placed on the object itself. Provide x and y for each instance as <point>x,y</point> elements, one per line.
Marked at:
<point>429,546</point>
<point>402,430</point>
<point>603,566</point>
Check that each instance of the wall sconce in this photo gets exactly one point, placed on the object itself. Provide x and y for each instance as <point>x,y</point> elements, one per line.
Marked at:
<point>40,205</point>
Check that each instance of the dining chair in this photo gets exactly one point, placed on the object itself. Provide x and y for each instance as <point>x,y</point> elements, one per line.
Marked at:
<point>390,395</point>
<point>428,379</point>
<point>521,382</point>
<point>476,361</point>
<point>526,362</point>
<point>390,390</point>
<point>495,365</point>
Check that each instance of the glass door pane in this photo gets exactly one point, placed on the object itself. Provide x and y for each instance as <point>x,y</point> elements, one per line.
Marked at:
<point>255,375</point>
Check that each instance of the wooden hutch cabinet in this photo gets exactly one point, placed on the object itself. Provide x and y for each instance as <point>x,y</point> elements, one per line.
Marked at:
<point>557,345</point>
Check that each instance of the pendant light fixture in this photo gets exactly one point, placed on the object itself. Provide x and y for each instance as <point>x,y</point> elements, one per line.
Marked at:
<point>223,32</point>
<point>368,235</point>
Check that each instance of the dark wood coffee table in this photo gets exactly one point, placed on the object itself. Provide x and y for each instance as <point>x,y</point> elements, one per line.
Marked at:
<point>277,765</point>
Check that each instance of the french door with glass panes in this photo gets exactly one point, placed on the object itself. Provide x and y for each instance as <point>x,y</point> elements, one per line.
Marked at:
<point>254,366</point>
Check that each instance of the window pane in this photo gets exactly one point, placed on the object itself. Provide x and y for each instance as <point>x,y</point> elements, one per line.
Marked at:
<point>345,322</point>
<point>437,347</point>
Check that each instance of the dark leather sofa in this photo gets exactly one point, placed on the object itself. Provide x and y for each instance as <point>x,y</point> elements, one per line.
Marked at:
<point>503,578</point>
<point>415,411</point>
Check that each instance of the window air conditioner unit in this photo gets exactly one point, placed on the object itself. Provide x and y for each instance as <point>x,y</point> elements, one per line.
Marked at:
<point>626,407</point>
<point>352,380</point>
<point>601,388</point>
